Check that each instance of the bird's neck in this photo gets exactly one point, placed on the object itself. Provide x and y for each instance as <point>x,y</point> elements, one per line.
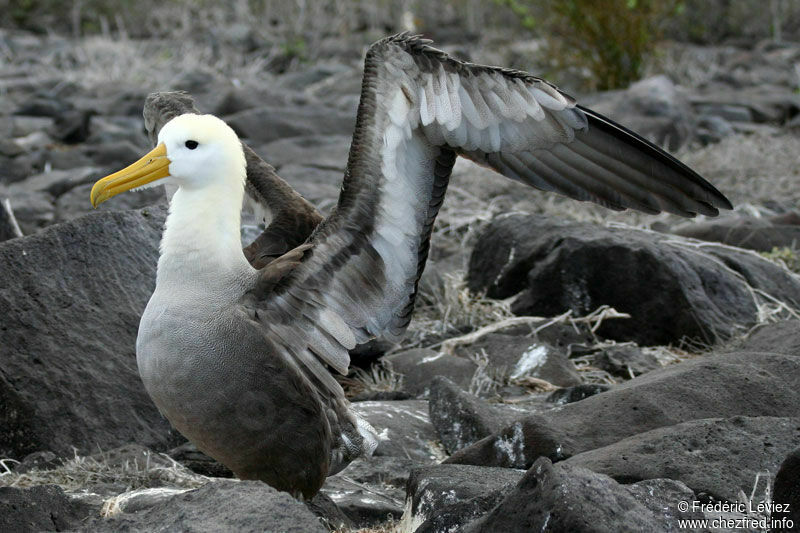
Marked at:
<point>201,246</point>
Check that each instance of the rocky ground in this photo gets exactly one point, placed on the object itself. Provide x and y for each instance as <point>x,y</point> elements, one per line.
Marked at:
<point>568,368</point>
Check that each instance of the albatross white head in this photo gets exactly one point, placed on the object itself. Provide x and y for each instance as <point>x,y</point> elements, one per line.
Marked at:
<point>203,157</point>
<point>193,152</point>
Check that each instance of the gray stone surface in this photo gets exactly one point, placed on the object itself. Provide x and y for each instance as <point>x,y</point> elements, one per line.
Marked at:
<point>405,429</point>
<point>444,497</point>
<point>225,505</point>
<point>370,491</point>
<point>515,357</point>
<point>266,124</point>
<point>562,497</point>
<point>715,386</point>
<point>421,366</point>
<point>363,505</point>
<point>71,297</point>
<point>576,393</point>
<point>744,232</point>
<point>716,456</point>
<point>779,337</point>
<point>462,419</point>
<point>672,289</point>
<point>41,508</point>
<point>330,151</point>
<point>626,361</point>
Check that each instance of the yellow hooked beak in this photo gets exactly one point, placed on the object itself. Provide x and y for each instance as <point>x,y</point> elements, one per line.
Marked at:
<point>153,166</point>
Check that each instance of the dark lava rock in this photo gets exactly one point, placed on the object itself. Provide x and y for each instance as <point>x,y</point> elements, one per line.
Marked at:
<point>266,124</point>
<point>404,427</point>
<point>779,337</point>
<point>576,393</point>
<point>361,504</point>
<point>43,106</point>
<point>421,366</point>
<point>21,129</point>
<point>236,99</point>
<point>786,490</point>
<point>328,512</point>
<point>41,508</point>
<point>33,210</point>
<point>75,203</point>
<point>71,297</point>
<point>462,419</point>
<point>224,505</point>
<point>517,357</point>
<point>9,148</point>
<point>9,228</point>
<point>65,157</point>
<point>562,497</point>
<point>115,129</point>
<point>114,155</point>
<point>714,386</point>
<point>751,233</point>
<point>443,497</point>
<point>57,182</point>
<point>300,80</point>
<point>327,151</point>
<point>716,456</point>
<point>761,274</point>
<point>371,491</point>
<point>16,169</point>
<point>317,185</point>
<point>380,471</point>
<point>72,126</point>
<point>626,361</point>
<point>37,461</point>
<point>672,289</point>
<point>35,198</point>
<point>712,129</point>
<point>764,101</point>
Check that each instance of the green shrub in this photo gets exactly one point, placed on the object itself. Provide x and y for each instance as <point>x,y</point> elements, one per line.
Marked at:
<point>610,38</point>
<point>785,255</point>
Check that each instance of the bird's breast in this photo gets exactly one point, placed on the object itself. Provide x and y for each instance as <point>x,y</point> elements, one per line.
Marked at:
<point>217,379</point>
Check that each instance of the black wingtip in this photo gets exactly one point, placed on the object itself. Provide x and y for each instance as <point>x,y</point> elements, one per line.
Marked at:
<point>716,200</point>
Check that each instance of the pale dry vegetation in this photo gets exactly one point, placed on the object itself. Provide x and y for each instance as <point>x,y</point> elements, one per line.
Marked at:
<point>83,472</point>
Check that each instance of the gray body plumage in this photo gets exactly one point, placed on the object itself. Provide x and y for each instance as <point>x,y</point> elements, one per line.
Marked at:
<point>242,366</point>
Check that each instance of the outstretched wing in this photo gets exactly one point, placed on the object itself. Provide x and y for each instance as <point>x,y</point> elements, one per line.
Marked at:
<point>291,217</point>
<point>419,108</point>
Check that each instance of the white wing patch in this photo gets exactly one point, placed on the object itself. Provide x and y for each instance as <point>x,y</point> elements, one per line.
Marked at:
<point>487,112</point>
<point>406,164</point>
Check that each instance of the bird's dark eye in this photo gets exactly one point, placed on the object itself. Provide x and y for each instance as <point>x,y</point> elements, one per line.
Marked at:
<point>191,145</point>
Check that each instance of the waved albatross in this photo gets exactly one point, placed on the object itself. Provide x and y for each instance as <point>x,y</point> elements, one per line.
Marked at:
<point>238,358</point>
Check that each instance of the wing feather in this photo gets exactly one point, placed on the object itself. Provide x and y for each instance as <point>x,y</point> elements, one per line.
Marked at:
<point>420,108</point>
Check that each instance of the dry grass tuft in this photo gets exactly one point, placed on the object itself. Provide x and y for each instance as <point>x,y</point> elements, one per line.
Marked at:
<point>390,526</point>
<point>451,311</point>
<point>378,378</point>
<point>83,472</point>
